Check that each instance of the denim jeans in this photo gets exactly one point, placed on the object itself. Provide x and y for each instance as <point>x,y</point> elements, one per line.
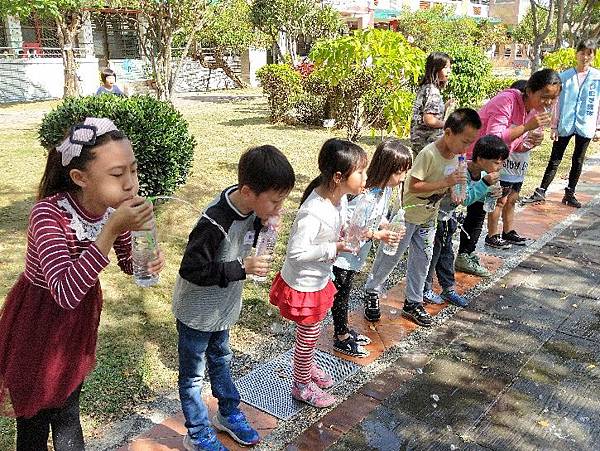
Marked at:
<point>442,261</point>
<point>198,349</point>
<point>419,242</point>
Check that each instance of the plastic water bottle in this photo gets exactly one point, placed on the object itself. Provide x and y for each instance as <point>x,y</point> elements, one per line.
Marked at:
<point>396,225</point>
<point>489,203</point>
<point>359,223</point>
<point>265,245</point>
<point>144,249</point>
<point>459,191</point>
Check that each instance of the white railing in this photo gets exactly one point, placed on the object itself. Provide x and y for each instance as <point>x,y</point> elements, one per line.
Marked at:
<point>32,53</point>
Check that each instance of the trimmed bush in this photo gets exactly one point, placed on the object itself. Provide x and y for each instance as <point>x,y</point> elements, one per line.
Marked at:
<point>282,84</point>
<point>161,140</point>
<point>309,108</point>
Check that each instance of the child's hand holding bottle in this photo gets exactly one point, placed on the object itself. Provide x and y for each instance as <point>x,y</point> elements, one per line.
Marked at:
<point>132,214</point>
<point>258,265</point>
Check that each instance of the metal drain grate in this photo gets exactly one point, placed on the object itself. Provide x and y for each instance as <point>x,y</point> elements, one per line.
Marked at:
<point>269,386</point>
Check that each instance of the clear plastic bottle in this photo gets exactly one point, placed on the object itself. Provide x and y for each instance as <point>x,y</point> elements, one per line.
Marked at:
<point>359,223</point>
<point>265,245</point>
<point>144,249</point>
<point>396,225</point>
<point>459,191</point>
<point>489,203</point>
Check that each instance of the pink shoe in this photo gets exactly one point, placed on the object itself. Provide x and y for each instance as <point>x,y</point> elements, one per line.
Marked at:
<point>320,377</point>
<point>312,395</point>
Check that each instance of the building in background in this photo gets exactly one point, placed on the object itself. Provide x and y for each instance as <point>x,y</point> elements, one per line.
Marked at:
<point>31,65</point>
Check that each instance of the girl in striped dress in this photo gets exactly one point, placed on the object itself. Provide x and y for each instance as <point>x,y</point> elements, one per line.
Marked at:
<point>87,204</point>
<point>303,290</point>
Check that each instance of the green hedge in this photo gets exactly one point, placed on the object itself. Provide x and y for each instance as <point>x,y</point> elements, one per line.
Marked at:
<point>493,85</point>
<point>282,85</point>
<point>161,140</point>
<point>471,69</point>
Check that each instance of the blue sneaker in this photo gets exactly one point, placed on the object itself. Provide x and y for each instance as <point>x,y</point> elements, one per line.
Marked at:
<point>454,298</point>
<point>204,441</point>
<point>237,426</point>
<point>432,297</point>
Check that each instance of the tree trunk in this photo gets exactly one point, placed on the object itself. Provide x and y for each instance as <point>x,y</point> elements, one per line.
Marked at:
<point>68,27</point>
<point>540,36</point>
<point>219,63</point>
<point>560,23</point>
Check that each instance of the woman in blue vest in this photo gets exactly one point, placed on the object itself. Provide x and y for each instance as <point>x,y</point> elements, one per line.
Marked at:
<point>578,115</point>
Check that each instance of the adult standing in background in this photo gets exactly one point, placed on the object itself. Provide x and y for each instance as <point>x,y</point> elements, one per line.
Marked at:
<point>578,114</point>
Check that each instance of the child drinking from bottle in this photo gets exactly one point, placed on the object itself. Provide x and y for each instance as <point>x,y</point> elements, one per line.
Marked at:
<point>87,204</point>
<point>387,170</point>
<point>303,290</point>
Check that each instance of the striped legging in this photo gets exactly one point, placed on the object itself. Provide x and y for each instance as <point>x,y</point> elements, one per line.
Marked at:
<point>304,352</point>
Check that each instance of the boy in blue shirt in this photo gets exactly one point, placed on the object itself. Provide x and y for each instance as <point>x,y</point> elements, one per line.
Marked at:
<point>208,292</point>
<point>482,174</point>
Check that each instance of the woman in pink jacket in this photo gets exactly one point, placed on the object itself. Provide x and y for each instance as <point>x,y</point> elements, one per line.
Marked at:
<point>518,117</point>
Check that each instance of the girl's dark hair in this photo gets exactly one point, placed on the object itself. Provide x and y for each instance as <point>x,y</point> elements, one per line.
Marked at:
<point>390,156</point>
<point>521,85</point>
<point>436,61</point>
<point>586,44</point>
<point>106,72</point>
<point>541,79</point>
<point>490,147</point>
<point>56,178</point>
<point>336,155</point>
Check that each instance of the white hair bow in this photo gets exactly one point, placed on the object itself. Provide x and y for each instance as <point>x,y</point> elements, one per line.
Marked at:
<point>84,134</point>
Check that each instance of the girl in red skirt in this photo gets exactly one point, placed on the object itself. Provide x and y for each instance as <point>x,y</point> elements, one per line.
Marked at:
<point>303,290</point>
<point>87,204</point>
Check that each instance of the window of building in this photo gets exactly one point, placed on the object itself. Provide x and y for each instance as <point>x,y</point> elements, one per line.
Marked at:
<point>115,36</point>
<point>507,52</point>
<point>40,37</point>
<point>424,5</point>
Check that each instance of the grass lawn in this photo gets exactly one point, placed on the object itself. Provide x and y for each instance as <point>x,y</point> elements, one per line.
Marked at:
<point>137,355</point>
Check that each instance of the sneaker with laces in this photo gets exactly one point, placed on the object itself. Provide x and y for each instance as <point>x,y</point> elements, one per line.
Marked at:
<point>417,314</point>
<point>237,426</point>
<point>497,242</point>
<point>469,264</point>
<point>454,298</point>
<point>349,346</point>
<point>204,441</point>
<point>538,196</point>
<point>432,297</point>
<point>360,339</point>
<point>312,395</point>
<point>513,237</point>
<point>372,311</point>
<point>320,377</point>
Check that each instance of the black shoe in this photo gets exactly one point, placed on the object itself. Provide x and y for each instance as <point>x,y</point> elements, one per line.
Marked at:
<point>538,196</point>
<point>513,237</point>
<point>372,311</point>
<point>497,242</point>
<point>350,347</point>
<point>570,199</point>
<point>417,314</point>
